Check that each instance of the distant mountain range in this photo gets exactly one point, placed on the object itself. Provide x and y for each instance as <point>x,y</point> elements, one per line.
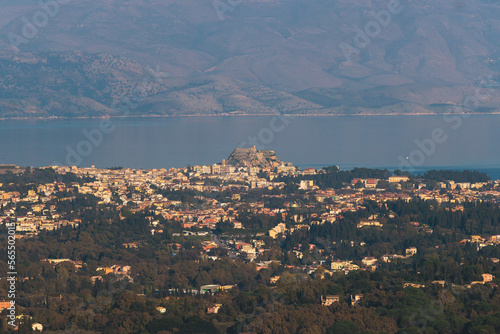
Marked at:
<point>354,57</point>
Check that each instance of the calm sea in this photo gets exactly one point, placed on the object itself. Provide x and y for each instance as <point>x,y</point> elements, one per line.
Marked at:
<point>408,142</point>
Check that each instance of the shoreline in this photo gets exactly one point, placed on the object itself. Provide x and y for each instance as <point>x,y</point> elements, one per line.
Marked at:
<point>235,115</point>
<point>492,171</point>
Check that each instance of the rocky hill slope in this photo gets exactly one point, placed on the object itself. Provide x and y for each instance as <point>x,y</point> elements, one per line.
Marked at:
<point>254,56</point>
<point>251,157</point>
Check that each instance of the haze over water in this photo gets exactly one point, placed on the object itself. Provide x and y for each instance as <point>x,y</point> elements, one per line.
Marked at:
<point>373,141</point>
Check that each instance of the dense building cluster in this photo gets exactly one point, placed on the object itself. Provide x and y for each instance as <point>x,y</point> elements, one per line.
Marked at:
<point>276,221</point>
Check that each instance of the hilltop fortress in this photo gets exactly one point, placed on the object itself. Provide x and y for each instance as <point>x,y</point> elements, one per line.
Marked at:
<point>251,157</point>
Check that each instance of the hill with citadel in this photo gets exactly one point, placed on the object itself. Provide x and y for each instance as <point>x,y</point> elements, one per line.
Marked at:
<point>251,157</point>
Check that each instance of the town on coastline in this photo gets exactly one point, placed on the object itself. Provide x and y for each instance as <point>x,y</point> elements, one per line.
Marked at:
<point>252,208</point>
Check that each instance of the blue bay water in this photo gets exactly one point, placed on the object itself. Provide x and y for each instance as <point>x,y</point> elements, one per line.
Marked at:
<point>366,141</point>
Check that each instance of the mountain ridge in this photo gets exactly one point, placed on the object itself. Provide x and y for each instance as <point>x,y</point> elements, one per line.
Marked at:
<point>263,57</point>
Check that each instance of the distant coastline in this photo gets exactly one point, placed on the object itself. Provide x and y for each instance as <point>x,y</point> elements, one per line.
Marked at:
<point>238,115</point>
